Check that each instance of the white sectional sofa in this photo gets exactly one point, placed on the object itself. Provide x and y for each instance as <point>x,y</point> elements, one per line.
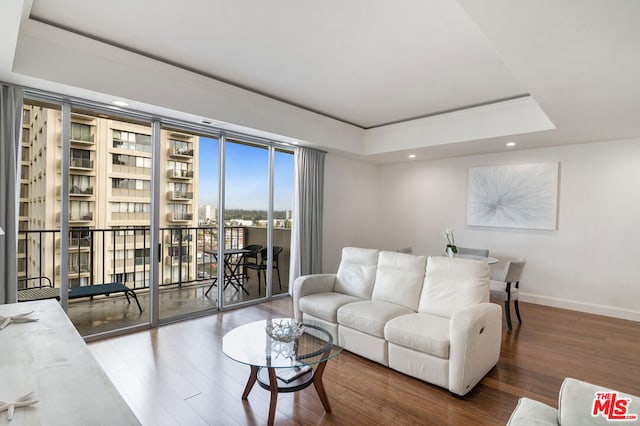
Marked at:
<point>428,318</point>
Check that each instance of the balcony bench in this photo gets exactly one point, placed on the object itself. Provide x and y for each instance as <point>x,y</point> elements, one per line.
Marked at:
<point>103,289</point>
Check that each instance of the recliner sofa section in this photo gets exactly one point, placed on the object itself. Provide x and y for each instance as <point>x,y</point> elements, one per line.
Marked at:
<point>428,318</point>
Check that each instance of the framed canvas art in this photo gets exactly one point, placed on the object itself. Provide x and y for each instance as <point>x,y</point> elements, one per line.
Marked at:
<point>513,196</point>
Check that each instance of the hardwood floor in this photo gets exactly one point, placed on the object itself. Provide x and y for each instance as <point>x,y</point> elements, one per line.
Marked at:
<point>177,374</point>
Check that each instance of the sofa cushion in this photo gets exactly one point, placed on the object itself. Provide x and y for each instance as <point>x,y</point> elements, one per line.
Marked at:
<point>529,412</point>
<point>370,316</point>
<point>325,305</point>
<point>399,279</point>
<point>422,332</point>
<point>357,272</point>
<point>451,284</point>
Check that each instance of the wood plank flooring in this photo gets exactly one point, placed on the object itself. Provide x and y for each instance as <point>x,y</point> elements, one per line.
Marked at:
<point>177,374</point>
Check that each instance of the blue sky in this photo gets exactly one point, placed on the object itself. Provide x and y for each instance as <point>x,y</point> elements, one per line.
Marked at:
<point>246,176</point>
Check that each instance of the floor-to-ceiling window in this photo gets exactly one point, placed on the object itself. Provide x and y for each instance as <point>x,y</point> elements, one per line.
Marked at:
<point>188,223</point>
<point>108,165</point>
<point>39,203</point>
<point>246,205</point>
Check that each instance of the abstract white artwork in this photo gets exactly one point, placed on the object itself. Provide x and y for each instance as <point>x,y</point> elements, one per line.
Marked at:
<point>514,196</point>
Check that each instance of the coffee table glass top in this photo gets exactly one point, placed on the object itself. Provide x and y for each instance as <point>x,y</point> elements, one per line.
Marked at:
<point>250,344</point>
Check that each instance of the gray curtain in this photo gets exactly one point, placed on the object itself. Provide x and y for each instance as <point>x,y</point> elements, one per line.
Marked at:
<point>306,244</point>
<point>10,158</point>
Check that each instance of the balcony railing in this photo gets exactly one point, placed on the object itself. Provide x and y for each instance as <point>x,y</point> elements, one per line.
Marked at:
<point>179,217</point>
<point>174,151</point>
<point>180,174</point>
<point>180,195</point>
<point>88,139</point>
<point>105,249</point>
<point>76,190</point>
<point>80,216</point>
<point>81,163</point>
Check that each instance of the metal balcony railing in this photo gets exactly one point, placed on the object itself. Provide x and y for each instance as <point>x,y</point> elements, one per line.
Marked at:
<point>110,255</point>
<point>180,174</point>
<point>180,195</point>
<point>174,151</point>
<point>81,163</point>
<point>80,216</point>
<point>179,217</point>
<point>76,190</point>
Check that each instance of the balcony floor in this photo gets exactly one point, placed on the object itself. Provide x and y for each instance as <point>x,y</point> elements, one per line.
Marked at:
<point>106,313</point>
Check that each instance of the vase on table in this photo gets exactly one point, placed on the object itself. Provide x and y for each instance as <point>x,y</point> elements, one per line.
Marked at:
<point>451,250</point>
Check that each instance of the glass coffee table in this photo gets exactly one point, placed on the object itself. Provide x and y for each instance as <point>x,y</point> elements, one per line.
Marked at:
<point>283,363</point>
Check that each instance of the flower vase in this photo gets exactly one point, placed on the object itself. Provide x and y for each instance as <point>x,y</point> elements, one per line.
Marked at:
<point>451,250</point>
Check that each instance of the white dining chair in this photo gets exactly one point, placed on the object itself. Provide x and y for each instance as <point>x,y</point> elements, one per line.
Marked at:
<point>506,286</point>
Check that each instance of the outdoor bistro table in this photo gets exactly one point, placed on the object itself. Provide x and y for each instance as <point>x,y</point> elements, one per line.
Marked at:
<point>232,274</point>
<point>281,366</point>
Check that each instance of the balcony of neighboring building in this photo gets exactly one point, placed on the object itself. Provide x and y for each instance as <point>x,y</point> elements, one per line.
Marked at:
<point>180,152</point>
<point>180,195</point>
<point>180,174</point>
<point>78,217</point>
<point>179,217</point>
<point>81,164</point>
<point>82,134</point>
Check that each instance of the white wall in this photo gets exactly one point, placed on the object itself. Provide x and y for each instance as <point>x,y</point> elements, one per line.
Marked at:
<point>590,263</point>
<point>350,207</point>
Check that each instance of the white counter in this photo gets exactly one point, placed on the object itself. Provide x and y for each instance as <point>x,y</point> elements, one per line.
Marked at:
<point>50,358</point>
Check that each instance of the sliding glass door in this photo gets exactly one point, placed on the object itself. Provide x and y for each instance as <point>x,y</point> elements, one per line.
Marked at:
<point>107,178</point>
<point>189,164</point>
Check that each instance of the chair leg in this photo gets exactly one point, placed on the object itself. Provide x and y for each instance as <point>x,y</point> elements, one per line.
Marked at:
<point>258,274</point>
<point>515,304</point>
<point>279,282</point>
<point>507,313</point>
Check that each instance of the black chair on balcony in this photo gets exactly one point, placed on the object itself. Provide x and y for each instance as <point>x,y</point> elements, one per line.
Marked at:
<point>262,266</point>
<point>251,258</point>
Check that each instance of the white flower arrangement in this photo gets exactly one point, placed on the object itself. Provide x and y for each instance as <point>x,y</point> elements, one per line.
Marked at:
<point>451,241</point>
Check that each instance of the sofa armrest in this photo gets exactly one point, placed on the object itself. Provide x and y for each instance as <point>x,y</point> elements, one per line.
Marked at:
<point>529,412</point>
<point>475,334</point>
<point>310,284</point>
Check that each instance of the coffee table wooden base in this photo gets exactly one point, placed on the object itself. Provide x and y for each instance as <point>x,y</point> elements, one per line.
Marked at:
<point>266,378</point>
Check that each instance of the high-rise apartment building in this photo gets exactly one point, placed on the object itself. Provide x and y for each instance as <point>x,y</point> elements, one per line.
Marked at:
<point>109,199</point>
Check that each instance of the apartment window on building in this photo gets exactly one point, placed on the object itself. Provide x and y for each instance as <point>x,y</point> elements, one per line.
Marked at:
<point>80,185</point>
<point>122,254</point>
<point>181,147</point>
<point>81,158</point>
<point>180,211</point>
<point>79,238</point>
<point>131,141</point>
<point>180,190</point>
<point>132,184</point>
<point>142,256</point>
<point>130,207</point>
<point>131,161</point>
<point>78,262</point>
<point>135,231</point>
<point>80,210</point>
<point>81,132</point>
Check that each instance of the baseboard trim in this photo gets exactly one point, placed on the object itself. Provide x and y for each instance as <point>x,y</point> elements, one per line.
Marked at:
<point>591,308</point>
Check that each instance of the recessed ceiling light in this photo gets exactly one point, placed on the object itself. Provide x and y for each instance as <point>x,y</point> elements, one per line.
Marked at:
<point>120,103</point>
<point>510,144</point>
<point>412,156</point>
